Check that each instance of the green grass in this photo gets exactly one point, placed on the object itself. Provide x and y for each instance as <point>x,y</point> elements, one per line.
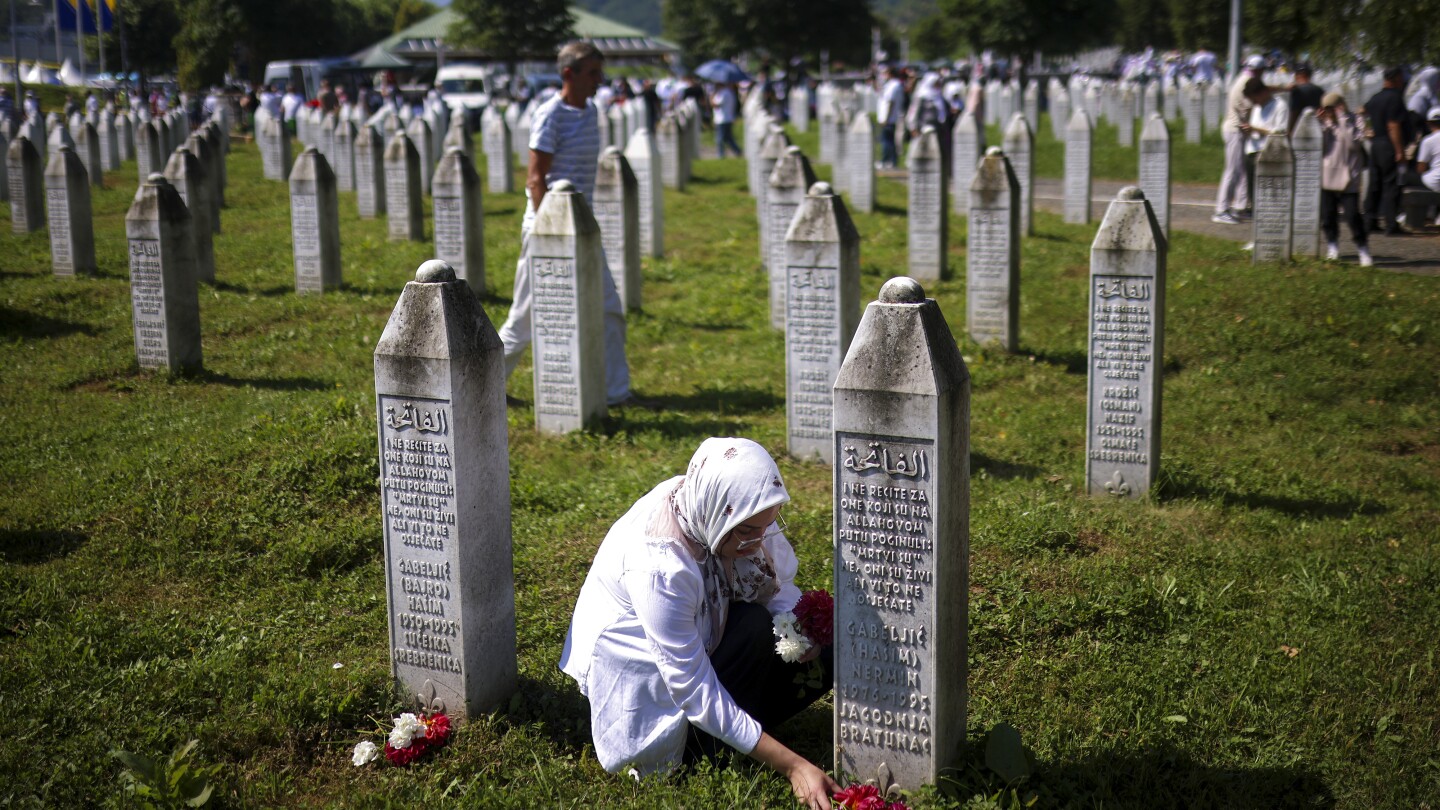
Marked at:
<point>188,557</point>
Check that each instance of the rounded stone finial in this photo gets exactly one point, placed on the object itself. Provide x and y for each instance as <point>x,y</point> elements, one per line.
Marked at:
<point>453,150</point>
<point>434,272</point>
<point>155,179</point>
<point>994,151</point>
<point>792,149</point>
<point>563,186</point>
<point>821,189</point>
<point>310,150</point>
<point>1130,194</point>
<point>65,147</point>
<point>902,290</point>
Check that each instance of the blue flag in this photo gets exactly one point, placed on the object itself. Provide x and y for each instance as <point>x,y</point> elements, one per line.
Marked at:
<point>82,12</point>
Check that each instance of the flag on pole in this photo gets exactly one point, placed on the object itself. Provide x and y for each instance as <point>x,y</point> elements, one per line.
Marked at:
<point>71,12</point>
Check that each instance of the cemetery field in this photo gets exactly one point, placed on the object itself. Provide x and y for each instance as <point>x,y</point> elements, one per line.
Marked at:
<point>200,558</point>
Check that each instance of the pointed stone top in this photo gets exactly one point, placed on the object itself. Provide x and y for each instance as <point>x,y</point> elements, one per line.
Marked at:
<point>1155,129</point>
<point>1276,150</point>
<point>65,147</point>
<point>902,290</point>
<point>1129,224</point>
<point>994,151</point>
<point>435,271</point>
<point>1079,120</point>
<point>821,189</point>
<point>310,150</point>
<point>156,179</point>
<point>792,149</point>
<point>925,147</point>
<point>563,186</point>
<point>454,150</point>
<point>1018,128</point>
<point>1306,127</point>
<point>610,152</point>
<point>1130,194</point>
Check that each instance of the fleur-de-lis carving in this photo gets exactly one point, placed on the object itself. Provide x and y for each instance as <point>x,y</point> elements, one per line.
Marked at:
<point>1118,486</point>
<point>884,781</point>
<point>430,702</point>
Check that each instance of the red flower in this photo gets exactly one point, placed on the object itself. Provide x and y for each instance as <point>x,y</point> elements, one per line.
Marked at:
<point>437,730</point>
<point>814,613</point>
<point>403,756</point>
<point>850,797</point>
<point>437,733</point>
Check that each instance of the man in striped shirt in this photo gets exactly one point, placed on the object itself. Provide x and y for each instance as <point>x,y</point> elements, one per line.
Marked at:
<point>565,145</point>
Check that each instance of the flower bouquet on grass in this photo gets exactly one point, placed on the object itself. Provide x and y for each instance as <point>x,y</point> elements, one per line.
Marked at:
<point>808,626</point>
<point>412,737</point>
<point>866,797</point>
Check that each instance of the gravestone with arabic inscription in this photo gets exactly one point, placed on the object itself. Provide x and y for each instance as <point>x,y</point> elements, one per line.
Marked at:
<point>1155,169</point>
<point>789,182</point>
<point>902,537</point>
<point>1307,144</point>
<point>67,204</point>
<point>1079,146</point>
<point>187,174</point>
<point>822,308</point>
<point>210,162</point>
<point>1019,145</point>
<point>992,261</point>
<point>672,163</point>
<point>928,217</point>
<point>445,498</point>
<point>617,212</point>
<point>644,158</point>
<point>1274,199</point>
<point>967,148</point>
<point>164,294</point>
<point>404,202</point>
<point>369,173</point>
<point>274,149</point>
<point>459,220</point>
<point>315,223</point>
<point>26,178</point>
<point>1127,347</point>
<point>772,148</point>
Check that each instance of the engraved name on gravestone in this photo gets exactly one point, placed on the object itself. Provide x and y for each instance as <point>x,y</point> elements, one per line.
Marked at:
<point>644,160</point>
<point>822,308</point>
<point>1079,140</point>
<point>902,491</point>
<point>789,182</point>
<point>967,148</point>
<point>1019,145</point>
<point>165,302</point>
<point>1274,199</point>
<point>1306,142</point>
<point>929,213</point>
<point>403,200</point>
<point>26,177</point>
<point>369,173</point>
<point>617,212</point>
<point>1155,169</point>
<point>992,262</point>
<point>459,221</point>
<point>67,197</point>
<point>186,173</point>
<point>315,223</point>
<point>1127,344</point>
<point>565,262</point>
<point>445,498</point>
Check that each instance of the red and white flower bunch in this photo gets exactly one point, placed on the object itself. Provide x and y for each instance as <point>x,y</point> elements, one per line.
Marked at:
<point>411,737</point>
<point>866,797</point>
<point>810,624</point>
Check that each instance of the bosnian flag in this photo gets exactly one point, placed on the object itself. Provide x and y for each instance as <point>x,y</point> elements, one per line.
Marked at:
<point>83,11</point>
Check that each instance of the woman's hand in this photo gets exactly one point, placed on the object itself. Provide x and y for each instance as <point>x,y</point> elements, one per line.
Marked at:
<point>813,787</point>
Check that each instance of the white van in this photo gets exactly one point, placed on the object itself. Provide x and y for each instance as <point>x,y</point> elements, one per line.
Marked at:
<point>303,74</point>
<point>465,87</point>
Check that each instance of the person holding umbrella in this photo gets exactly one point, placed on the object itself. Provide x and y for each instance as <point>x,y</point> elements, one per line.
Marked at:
<point>726,102</point>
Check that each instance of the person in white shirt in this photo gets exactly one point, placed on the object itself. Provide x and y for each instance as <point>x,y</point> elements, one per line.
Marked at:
<point>672,638</point>
<point>270,101</point>
<point>1202,66</point>
<point>890,111</point>
<point>1233,196</point>
<point>1270,114</point>
<point>289,105</point>
<point>1427,160</point>
<point>726,105</point>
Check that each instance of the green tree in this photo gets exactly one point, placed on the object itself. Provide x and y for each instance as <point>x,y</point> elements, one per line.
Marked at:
<point>150,30</point>
<point>1025,26</point>
<point>1200,24</point>
<point>511,30</point>
<point>1142,23</point>
<point>205,42</point>
<point>779,29</point>
<point>409,12</point>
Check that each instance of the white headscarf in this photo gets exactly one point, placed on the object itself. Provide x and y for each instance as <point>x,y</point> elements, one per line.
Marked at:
<point>728,482</point>
<point>927,90</point>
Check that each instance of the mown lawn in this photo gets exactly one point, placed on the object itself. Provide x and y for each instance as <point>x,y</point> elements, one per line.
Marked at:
<point>191,558</point>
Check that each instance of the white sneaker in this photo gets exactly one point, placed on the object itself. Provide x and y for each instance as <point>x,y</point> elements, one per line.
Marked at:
<point>1226,218</point>
<point>1365,260</point>
<point>1332,252</point>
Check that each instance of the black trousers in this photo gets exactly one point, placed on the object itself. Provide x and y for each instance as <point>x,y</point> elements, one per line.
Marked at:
<point>756,677</point>
<point>1382,201</point>
<point>1330,203</point>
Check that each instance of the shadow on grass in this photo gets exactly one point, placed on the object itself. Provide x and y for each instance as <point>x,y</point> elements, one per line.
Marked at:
<point>1157,777</point>
<point>36,546</point>
<point>737,400</point>
<point>22,325</point>
<point>1002,469</point>
<point>1073,362</point>
<point>1180,486</point>
<point>238,289</point>
<point>670,423</point>
<point>264,383</point>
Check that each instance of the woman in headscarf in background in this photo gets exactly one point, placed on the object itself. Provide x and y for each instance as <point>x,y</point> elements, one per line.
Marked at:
<point>928,108</point>
<point>672,638</point>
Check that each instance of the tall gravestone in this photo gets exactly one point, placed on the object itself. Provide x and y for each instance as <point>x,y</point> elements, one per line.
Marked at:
<point>1194,113</point>
<point>1020,152</point>
<point>1032,105</point>
<point>369,173</point>
<point>424,142</point>
<point>798,101</point>
<point>5,139</point>
<point>1127,346</point>
<point>822,309</point>
<point>27,186</point>
<point>617,212</point>
<point>902,543</point>
<point>757,125</point>
<point>1125,123</point>
<point>992,262</point>
<point>186,173</point>
<point>67,199</point>
<point>1155,169</point>
<point>315,223</point>
<point>789,182</point>
<point>458,136</point>
<point>840,168</point>
<point>672,163</point>
<point>771,150</point>
<point>860,161</point>
<point>275,150</point>
<point>967,148</point>
<point>1307,144</point>
<point>164,296</point>
<point>125,137</point>
<point>1274,199</point>
<point>87,148</point>
<point>929,207</point>
<point>619,133</point>
<point>1170,101</point>
<point>644,160</point>
<point>1079,145</point>
<point>566,260</point>
<point>1215,106</point>
<point>210,162</point>
<point>345,154</point>
<point>445,498</point>
<point>148,156</point>
<point>216,147</point>
<point>459,220</point>
<point>404,203</point>
<point>325,137</point>
<point>496,141</point>
<point>520,139</point>
<point>826,111</point>
<point>1060,113</point>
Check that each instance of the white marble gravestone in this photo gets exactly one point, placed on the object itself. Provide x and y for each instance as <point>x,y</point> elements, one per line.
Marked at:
<point>404,202</point>
<point>566,259</point>
<point>325,137</point>
<point>1155,169</point>
<point>644,159</point>
<point>315,223</point>
<point>520,138</point>
<point>5,138</point>
<point>1031,102</point>
<point>902,543</point>
<point>210,161</point>
<point>967,147</point>
<point>929,208</point>
<point>67,203</point>
<point>148,155</point>
<point>369,173</point>
<point>496,141</point>
<point>87,148</point>
<point>423,141</point>
<point>798,102</point>
<point>125,137</point>
<point>1125,122</point>
<point>992,261</point>
<point>187,174</point>
<point>1306,143</point>
<point>344,158</point>
<point>1060,112</point>
<point>822,309</point>
<point>617,212</point>
<point>215,163</point>
<point>1019,143</point>
<point>275,149</point>
<point>1215,106</point>
<point>789,182</point>
<point>1127,347</point>
<point>1274,200</point>
<point>672,163</point>
<point>1079,146</point>
<point>840,169</point>
<point>445,498</point>
<point>859,169</point>
<point>458,135</point>
<point>1194,98</point>
<point>164,296</point>
<point>459,220</point>
<point>26,178</point>
<point>757,125</point>
<point>771,150</point>
<point>826,110</point>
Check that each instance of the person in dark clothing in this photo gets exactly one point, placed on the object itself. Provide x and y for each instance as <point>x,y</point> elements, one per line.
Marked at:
<point>1390,130</point>
<point>1304,94</point>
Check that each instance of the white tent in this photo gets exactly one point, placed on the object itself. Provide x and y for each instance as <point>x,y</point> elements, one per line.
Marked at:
<point>7,75</point>
<point>70,76</point>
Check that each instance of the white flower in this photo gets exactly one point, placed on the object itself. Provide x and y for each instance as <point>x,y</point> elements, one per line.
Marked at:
<point>365,753</point>
<point>407,727</point>
<point>785,624</point>
<point>791,649</point>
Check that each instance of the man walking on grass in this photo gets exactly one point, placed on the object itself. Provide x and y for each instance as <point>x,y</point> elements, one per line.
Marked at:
<point>1233,198</point>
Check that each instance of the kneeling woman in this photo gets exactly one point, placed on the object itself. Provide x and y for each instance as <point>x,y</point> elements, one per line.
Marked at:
<point>672,640</point>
